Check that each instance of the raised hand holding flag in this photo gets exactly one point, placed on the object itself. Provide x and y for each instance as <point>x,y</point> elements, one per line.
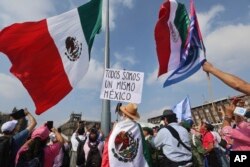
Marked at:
<point>189,55</point>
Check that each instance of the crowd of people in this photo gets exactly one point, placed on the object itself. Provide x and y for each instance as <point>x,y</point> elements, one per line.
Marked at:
<point>173,143</point>
<point>45,146</point>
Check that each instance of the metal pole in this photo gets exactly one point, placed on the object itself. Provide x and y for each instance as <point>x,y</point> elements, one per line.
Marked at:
<point>106,115</point>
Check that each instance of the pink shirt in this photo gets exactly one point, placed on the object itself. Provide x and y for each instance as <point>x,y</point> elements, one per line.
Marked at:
<point>240,136</point>
<point>50,152</point>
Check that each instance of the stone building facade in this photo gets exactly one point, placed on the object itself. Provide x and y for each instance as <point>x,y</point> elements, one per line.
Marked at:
<point>69,127</point>
<point>208,111</point>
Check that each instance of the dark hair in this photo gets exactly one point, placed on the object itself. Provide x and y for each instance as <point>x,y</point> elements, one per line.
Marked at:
<point>81,131</point>
<point>171,118</point>
<point>35,149</point>
<point>209,127</point>
<point>94,130</point>
<point>147,129</point>
<point>93,135</point>
<point>8,132</point>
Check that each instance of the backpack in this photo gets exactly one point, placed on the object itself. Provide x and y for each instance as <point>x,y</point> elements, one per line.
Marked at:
<point>94,158</point>
<point>80,158</point>
<point>35,162</point>
<point>66,157</point>
<point>5,150</point>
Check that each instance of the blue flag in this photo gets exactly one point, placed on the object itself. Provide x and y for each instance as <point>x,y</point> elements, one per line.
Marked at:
<point>193,53</point>
<point>183,110</point>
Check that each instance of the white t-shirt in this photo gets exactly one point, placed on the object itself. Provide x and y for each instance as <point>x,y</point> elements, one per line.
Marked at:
<point>74,142</point>
<point>217,139</point>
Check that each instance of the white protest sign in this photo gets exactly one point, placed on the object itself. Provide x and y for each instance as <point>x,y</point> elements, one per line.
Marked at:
<point>122,85</point>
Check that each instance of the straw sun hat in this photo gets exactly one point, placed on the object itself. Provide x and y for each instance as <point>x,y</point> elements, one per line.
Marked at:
<point>130,110</point>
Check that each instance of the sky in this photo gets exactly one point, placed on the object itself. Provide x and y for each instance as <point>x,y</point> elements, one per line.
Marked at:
<point>225,26</point>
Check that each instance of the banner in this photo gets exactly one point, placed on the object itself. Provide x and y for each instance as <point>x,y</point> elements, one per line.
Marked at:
<point>122,85</point>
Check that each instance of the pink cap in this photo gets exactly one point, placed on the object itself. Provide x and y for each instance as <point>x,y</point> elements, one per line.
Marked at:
<point>41,132</point>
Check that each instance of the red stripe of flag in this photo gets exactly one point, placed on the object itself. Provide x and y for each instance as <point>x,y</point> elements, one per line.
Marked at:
<point>162,36</point>
<point>36,62</point>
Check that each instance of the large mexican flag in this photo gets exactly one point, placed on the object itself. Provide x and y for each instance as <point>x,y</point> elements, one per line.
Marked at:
<point>171,31</point>
<point>51,56</point>
<point>126,147</point>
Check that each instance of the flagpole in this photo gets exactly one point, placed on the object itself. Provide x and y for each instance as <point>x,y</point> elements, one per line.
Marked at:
<point>106,115</point>
<point>210,90</point>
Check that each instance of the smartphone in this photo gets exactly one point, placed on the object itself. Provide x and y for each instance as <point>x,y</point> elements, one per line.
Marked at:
<point>18,114</point>
<point>49,125</point>
<point>240,111</point>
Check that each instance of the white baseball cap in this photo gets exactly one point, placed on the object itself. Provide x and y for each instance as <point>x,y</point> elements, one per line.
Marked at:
<point>9,126</point>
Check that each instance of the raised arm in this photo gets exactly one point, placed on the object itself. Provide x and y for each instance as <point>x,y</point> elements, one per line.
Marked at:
<point>229,79</point>
<point>32,120</point>
<point>59,137</point>
<point>228,115</point>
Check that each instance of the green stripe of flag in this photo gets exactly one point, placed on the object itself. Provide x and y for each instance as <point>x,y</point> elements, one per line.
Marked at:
<point>146,152</point>
<point>181,16</point>
<point>91,20</point>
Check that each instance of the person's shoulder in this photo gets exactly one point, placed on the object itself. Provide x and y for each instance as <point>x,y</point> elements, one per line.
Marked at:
<point>22,134</point>
<point>178,127</point>
<point>123,123</point>
<point>163,130</point>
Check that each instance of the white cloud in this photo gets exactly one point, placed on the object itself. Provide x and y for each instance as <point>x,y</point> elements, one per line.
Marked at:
<point>152,78</point>
<point>127,57</point>
<point>196,78</point>
<point>114,6</point>
<point>206,19</point>
<point>10,87</point>
<point>16,10</point>
<point>228,47</point>
<point>124,58</point>
<point>127,3</point>
<point>93,78</point>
